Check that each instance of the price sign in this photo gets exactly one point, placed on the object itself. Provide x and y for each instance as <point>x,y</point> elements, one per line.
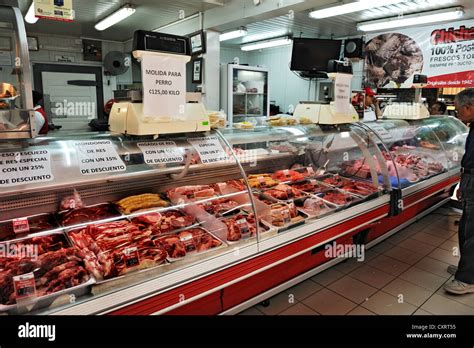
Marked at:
<point>131,257</point>
<point>98,157</point>
<point>209,149</point>
<point>21,225</point>
<point>244,228</point>
<point>24,286</point>
<point>382,132</point>
<point>25,167</point>
<point>261,182</point>
<point>159,152</point>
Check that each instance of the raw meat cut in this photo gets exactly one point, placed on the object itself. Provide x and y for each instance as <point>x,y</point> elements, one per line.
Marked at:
<point>87,214</point>
<point>287,175</point>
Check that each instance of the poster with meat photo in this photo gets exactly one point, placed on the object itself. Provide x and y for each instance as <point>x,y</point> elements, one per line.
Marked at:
<point>443,52</point>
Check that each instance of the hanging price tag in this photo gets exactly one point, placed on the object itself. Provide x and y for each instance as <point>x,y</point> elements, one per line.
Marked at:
<point>24,286</point>
<point>21,225</point>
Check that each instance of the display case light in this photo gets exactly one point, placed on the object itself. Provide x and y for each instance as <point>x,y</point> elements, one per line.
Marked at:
<point>233,34</point>
<point>266,44</point>
<point>416,19</point>
<point>30,15</point>
<point>356,6</point>
<point>115,17</point>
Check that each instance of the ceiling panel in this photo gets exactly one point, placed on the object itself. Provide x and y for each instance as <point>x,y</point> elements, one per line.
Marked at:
<point>338,26</point>
<point>149,15</point>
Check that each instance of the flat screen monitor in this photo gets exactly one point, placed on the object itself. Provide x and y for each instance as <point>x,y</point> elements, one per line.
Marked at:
<point>312,55</point>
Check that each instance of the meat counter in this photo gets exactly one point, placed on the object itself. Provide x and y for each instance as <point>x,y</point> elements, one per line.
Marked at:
<point>100,223</point>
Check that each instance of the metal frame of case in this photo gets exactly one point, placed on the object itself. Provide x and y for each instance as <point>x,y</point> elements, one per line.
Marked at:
<point>275,149</point>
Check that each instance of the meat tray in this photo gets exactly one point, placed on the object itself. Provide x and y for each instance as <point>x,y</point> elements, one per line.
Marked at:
<point>60,242</point>
<point>328,208</point>
<point>349,198</point>
<point>282,194</point>
<point>285,223</point>
<point>194,252</point>
<point>87,214</point>
<point>311,186</point>
<point>37,223</point>
<point>262,228</point>
<point>344,182</point>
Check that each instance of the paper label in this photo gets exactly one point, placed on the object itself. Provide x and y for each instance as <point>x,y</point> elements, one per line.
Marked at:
<point>261,182</point>
<point>164,86</point>
<point>382,132</point>
<point>188,241</point>
<point>21,225</point>
<point>24,286</point>
<point>98,157</point>
<point>342,93</point>
<point>209,149</point>
<point>244,228</point>
<point>25,167</point>
<point>313,182</point>
<point>310,170</point>
<point>131,257</point>
<point>159,152</point>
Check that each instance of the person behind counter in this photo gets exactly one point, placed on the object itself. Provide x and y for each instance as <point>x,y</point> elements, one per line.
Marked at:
<point>372,109</point>
<point>438,108</point>
<point>463,282</point>
<point>41,118</point>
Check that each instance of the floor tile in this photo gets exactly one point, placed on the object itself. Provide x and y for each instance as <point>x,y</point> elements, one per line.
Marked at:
<point>360,311</point>
<point>382,247</point>
<point>445,256</point>
<point>278,304</point>
<point>299,309</point>
<point>352,289</point>
<point>422,278</point>
<point>445,225</point>
<point>467,299</point>
<point>327,302</point>
<point>251,311</point>
<point>389,265</point>
<point>437,231</point>
<point>385,304</point>
<point>404,255</point>
<point>400,236</point>
<point>303,289</point>
<point>348,266</point>
<point>416,246</point>
<point>450,245</point>
<point>428,238</point>
<point>411,293</point>
<point>370,254</point>
<point>434,266</point>
<point>441,305</point>
<point>421,312</point>
<point>372,276</point>
<point>327,277</point>
<point>455,238</point>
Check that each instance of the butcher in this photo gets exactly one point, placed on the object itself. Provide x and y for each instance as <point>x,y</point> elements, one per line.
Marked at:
<point>372,109</point>
<point>463,282</point>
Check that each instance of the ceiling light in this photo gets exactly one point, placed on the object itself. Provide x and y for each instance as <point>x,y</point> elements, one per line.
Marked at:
<point>266,44</point>
<point>115,17</point>
<point>357,6</point>
<point>30,15</point>
<point>417,19</point>
<point>233,34</point>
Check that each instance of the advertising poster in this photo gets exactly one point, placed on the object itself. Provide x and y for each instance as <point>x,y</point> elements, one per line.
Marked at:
<point>59,10</point>
<point>443,52</point>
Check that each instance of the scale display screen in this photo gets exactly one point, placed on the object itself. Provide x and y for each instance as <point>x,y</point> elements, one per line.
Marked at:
<point>160,42</point>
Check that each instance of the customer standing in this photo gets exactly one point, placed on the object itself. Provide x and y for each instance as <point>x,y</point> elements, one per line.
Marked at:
<point>463,282</point>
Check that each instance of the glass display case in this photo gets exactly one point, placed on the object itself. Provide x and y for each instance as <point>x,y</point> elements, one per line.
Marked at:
<point>86,217</point>
<point>16,100</point>
<point>244,93</point>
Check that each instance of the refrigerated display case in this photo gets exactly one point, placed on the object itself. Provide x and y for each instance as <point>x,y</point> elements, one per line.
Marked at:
<point>204,223</point>
<point>244,93</point>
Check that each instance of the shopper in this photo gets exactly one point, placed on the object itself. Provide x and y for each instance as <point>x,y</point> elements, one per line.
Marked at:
<point>463,282</point>
<point>438,108</point>
<point>372,109</point>
<point>41,118</point>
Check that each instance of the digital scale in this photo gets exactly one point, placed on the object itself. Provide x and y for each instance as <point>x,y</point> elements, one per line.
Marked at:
<point>324,113</point>
<point>127,116</point>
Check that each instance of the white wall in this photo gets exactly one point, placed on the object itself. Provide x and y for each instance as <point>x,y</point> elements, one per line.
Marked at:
<point>54,45</point>
<point>228,54</point>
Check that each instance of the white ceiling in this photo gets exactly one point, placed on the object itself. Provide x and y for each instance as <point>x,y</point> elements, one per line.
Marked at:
<point>338,26</point>
<point>151,14</point>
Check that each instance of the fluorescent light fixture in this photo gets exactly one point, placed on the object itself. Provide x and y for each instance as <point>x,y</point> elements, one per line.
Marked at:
<point>357,6</point>
<point>416,19</point>
<point>30,15</point>
<point>233,34</point>
<point>115,17</point>
<point>266,44</point>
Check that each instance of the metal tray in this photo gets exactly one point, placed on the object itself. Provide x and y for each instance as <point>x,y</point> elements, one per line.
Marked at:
<point>6,227</point>
<point>325,187</point>
<point>265,194</point>
<point>299,220</point>
<point>332,208</point>
<point>114,213</point>
<point>354,199</point>
<point>262,228</point>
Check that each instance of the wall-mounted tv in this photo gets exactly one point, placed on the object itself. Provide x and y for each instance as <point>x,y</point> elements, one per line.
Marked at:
<point>313,55</point>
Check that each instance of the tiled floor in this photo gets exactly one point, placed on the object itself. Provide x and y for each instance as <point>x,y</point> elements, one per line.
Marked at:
<point>403,275</point>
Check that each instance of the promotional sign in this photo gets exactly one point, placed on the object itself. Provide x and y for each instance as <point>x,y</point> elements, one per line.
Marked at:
<point>25,167</point>
<point>209,149</point>
<point>164,86</point>
<point>159,152</point>
<point>58,10</point>
<point>98,157</point>
<point>443,52</point>
<point>342,93</point>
